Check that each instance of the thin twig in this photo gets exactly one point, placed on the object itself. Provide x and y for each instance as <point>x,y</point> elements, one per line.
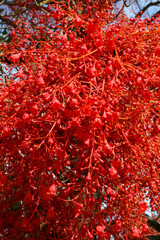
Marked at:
<point>47,135</point>
<point>2,2</point>
<point>40,7</point>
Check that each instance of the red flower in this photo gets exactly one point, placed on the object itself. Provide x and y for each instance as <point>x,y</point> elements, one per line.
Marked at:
<point>136,232</point>
<point>113,173</point>
<point>15,57</point>
<point>142,207</point>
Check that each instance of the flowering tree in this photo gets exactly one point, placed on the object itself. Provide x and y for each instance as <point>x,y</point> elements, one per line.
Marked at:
<point>79,124</point>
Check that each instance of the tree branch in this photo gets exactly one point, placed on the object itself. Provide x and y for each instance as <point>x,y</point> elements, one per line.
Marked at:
<point>152,222</point>
<point>119,12</point>
<point>2,2</point>
<point>156,14</point>
<point>154,237</point>
<point>40,7</point>
<point>148,6</point>
<point>127,4</point>
<point>8,21</point>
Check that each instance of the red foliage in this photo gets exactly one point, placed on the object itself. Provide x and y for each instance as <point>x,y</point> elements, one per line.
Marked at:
<point>79,125</point>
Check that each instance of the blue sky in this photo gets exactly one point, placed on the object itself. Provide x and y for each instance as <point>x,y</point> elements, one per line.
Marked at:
<point>134,8</point>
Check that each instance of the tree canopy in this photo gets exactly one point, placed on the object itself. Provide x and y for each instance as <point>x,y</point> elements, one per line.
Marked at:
<point>79,122</point>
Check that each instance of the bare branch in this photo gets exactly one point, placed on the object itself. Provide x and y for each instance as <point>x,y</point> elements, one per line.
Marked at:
<point>153,237</point>
<point>158,216</point>
<point>127,4</point>
<point>156,14</point>
<point>152,222</point>
<point>36,3</point>
<point>119,12</point>
<point>40,7</point>
<point>138,5</point>
<point>2,2</point>
<point>148,6</point>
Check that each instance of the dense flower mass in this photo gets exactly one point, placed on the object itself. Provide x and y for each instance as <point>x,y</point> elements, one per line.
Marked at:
<point>79,125</point>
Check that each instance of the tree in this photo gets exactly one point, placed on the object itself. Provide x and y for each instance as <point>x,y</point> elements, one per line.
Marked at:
<point>79,124</point>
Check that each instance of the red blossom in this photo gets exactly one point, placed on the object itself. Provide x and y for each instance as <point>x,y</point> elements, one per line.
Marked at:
<point>100,229</point>
<point>28,198</point>
<point>15,57</point>
<point>113,173</point>
<point>51,214</point>
<point>136,232</point>
<point>40,82</point>
<point>52,190</point>
<point>142,207</point>
<point>110,192</point>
